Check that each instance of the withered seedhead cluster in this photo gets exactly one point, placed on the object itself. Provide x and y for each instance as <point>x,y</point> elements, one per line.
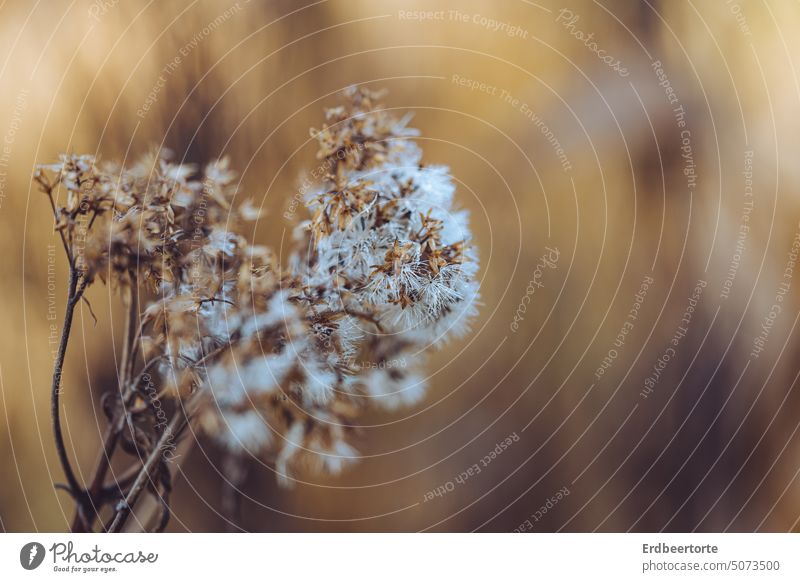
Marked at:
<point>286,357</point>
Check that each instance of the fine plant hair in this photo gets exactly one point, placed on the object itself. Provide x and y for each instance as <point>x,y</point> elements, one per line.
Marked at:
<point>273,361</point>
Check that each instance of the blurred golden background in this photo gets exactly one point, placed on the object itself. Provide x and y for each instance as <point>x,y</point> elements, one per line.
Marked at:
<point>652,144</point>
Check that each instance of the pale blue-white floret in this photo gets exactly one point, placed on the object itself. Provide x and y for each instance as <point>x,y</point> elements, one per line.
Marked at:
<point>392,391</point>
<point>244,430</point>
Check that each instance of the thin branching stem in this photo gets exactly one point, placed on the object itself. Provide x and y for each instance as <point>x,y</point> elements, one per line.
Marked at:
<point>86,511</point>
<point>73,297</point>
<point>60,232</point>
<point>131,333</point>
<point>172,431</point>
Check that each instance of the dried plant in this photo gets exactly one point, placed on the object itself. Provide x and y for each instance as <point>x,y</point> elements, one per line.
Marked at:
<point>274,362</point>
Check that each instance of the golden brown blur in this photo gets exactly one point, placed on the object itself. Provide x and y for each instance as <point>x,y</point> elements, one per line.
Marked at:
<point>631,172</point>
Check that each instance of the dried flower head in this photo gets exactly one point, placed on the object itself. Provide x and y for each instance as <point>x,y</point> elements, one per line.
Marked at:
<point>284,358</point>
<point>385,236</point>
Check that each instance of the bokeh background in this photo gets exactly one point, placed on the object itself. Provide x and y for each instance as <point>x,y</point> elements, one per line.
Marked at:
<point>551,147</point>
